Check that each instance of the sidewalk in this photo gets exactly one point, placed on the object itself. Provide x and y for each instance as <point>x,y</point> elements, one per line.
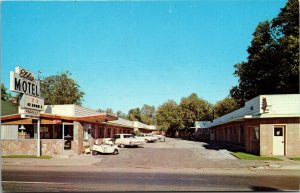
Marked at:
<point>89,161</point>
<point>73,161</point>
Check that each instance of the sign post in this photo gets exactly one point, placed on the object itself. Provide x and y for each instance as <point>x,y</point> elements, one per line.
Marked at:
<point>38,138</point>
<point>22,81</point>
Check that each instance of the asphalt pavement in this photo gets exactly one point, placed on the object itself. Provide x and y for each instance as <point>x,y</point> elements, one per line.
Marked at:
<point>174,165</point>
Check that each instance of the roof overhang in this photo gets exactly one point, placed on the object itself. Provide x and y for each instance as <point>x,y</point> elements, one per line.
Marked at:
<point>10,117</point>
<point>94,119</point>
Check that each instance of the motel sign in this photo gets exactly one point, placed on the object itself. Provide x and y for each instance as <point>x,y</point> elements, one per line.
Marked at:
<point>22,81</point>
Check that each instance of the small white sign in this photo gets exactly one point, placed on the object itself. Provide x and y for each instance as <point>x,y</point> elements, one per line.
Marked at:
<point>30,102</point>
<point>30,112</point>
<point>24,116</point>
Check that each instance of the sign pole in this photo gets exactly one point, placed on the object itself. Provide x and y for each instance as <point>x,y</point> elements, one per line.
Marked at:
<point>38,138</point>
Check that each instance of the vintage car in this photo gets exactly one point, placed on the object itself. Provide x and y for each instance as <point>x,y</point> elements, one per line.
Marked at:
<point>105,147</point>
<point>160,138</point>
<point>123,140</point>
<point>148,137</point>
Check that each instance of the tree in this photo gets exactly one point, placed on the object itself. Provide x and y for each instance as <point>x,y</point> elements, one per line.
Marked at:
<point>121,115</point>
<point>225,106</point>
<point>134,114</point>
<point>61,89</point>
<point>273,58</point>
<point>148,114</point>
<point>109,111</point>
<point>194,109</point>
<point>101,110</point>
<point>4,94</point>
<point>285,28</point>
<point>169,117</point>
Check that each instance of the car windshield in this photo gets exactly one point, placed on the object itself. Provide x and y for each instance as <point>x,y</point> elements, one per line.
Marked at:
<point>128,136</point>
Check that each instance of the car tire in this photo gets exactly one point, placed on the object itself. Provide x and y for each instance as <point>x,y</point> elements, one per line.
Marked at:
<point>94,152</point>
<point>116,152</point>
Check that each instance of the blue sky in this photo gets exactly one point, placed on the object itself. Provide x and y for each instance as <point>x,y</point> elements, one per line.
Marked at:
<point>126,54</point>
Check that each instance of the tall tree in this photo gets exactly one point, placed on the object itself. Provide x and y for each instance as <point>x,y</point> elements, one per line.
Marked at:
<point>135,114</point>
<point>225,106</point>
<point>148,114</point>
<point>121,115</point>
<point>194,109</point>
<point>109,111</point>
<point>285,28</point>
<point>61,89</point>
<point>4,94</point>
<point>273,58</point>
<point>169,117</point>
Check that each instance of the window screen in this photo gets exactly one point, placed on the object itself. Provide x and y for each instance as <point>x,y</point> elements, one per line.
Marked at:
<point>9,131</point>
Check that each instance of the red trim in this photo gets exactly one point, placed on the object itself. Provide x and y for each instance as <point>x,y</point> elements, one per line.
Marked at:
<point>9,117</point>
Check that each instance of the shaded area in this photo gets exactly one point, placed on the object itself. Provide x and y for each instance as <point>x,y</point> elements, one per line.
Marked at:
<point>214,145</point>
<point>264,189</point>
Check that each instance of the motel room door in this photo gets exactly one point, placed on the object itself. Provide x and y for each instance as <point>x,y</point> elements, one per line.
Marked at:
<point>278,140</point>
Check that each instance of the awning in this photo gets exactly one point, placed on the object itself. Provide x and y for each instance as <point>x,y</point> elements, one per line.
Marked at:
<point>16,118</point>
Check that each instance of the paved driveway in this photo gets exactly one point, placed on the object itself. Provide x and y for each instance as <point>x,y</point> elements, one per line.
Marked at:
<point>173,153</point>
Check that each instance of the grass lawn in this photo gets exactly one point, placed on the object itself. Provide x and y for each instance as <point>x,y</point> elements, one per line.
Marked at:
<point>246,156</point>
<point>27,156</point>
<point>295,158</point>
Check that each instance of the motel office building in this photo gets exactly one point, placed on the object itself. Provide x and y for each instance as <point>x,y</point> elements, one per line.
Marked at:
<point>266,125</point>
<point>64,129</point>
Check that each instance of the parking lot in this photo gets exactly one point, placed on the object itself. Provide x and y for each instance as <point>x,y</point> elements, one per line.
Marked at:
<point>173,153</point>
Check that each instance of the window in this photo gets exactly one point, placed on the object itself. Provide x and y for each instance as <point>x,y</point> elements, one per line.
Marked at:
<point>278,131</point>
<point>256,133</point>
<point>242,129</point>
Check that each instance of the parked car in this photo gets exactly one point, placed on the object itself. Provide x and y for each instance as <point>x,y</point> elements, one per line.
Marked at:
<point>160,138</point>
<point>124,140</point>
<point>148,137</point>
<point>105,147</point>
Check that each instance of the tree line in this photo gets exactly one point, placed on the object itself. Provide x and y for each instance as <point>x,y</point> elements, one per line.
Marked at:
<point>172,116</point>
<point>272,67</point>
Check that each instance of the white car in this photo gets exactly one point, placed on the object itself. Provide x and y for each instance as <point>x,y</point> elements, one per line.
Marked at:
<point>160,138</point>
<point>106,147</point>
<point>123,140</point>
<point>148,137</point>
